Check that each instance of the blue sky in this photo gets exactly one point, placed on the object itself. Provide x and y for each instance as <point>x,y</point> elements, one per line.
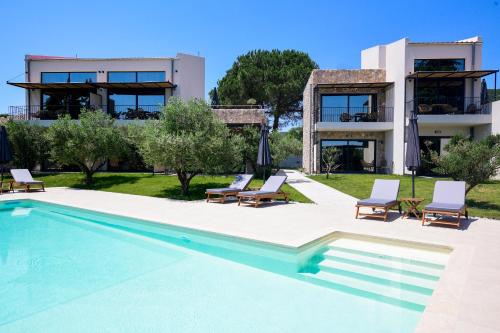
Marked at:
<point>332,32</point>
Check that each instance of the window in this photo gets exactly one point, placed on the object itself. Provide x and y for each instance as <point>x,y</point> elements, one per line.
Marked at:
<point>135,103</point>
<point>136,76</point>
<point>440,96</point>
<point>69,77</point>
<point>439,65</point>
<point>336,108</point>
<point>57,102</point>
<point>355,155</point>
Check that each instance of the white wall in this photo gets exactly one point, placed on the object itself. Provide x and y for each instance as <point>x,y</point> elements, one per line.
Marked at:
<point>395,72</point>
<point>189,75</point>
<point>495,117</point>
<point>189,72</point>
<point>373,58</point>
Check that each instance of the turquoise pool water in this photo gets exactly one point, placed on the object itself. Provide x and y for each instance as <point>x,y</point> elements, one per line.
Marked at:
<point>69,270</point>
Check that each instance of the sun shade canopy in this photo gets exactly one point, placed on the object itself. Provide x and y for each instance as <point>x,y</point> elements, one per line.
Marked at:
<point>92,85</point>
<point>451,74</point>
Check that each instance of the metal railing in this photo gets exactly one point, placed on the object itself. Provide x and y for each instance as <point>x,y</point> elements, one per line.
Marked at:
<point>448,105</point>
<point>52,112</point>
<point>357,114</point>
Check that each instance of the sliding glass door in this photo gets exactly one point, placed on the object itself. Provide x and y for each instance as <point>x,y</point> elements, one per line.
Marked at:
<point>356,156</point>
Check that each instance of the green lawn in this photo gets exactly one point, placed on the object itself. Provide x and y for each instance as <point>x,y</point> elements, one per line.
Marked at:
<point>483,200</point>
<point>160,186</point>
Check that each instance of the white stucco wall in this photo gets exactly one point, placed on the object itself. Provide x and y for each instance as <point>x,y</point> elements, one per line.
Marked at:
<point>373,58</point>
<point>188,72</point>
<point>495,117</point>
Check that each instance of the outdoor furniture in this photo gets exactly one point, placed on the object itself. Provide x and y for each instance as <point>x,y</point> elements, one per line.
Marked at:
<point>424,108</point>
<point>448,200</point>
<point>345,117</point>
<point>239,184</point>
<point>411,206</point>
<point>270,190</point>
<point>384,196</point>
<point>23,178</point>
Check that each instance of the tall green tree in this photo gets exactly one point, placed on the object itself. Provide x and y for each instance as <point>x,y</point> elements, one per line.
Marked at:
<point>189,139</point>
<point>87,143</point>
<point>274,79</point>
<point>29,144</point>
<point>471,161</point>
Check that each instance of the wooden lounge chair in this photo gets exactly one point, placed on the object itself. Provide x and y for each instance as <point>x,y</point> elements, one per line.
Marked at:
<point>384,196</point>
<point>270,190</point>
<point>23,178</point>
<point>239,184</point>
<point>448,200</point>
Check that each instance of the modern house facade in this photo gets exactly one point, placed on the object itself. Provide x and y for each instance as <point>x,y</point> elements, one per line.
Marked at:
<point>364,113</point>
<point>127,88</point>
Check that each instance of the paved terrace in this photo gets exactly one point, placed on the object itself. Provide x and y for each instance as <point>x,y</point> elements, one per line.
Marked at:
<point>467,298</point>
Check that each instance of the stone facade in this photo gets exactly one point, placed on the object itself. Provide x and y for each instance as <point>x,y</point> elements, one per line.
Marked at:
<point>323,82</point>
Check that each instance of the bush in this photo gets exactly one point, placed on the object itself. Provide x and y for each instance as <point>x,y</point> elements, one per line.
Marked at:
<point>471,161</point>
<point>29,145</point>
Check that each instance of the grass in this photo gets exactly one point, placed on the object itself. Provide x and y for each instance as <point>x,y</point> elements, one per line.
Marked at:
<point>482,201</point>
<point>159,186</point>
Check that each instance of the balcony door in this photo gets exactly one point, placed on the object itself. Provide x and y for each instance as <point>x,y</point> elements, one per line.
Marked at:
<point>355,156</point>
<point>335,108</point>
<point>440,96</point>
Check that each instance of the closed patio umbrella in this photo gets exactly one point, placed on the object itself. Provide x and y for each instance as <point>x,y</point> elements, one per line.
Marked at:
<point>264,155</point>
<point>5,152</point>
<point>484,92</point>
<point>412,159</point>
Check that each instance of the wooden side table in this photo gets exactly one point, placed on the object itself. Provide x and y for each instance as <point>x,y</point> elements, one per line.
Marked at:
<point>411,206</point>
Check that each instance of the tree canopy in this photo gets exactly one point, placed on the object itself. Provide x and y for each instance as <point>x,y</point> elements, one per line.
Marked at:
<point>28,142</point>
<point>274,79</point>
<point>87,143</point>
<point>189,139</point>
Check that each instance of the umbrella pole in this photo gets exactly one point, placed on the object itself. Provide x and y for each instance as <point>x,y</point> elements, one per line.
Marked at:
<point>413,182</point>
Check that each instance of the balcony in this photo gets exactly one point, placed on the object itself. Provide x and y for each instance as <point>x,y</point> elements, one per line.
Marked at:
<point>450,110</point>
<point>121,112</point>
<point>356,119</point>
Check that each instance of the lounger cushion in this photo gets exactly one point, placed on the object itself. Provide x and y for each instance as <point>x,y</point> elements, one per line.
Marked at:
<point>377,202</point>
<point>241,182</point>
<point>386,189</point>
<point>221,190</point>
<point>444,207</point>
<point>33,182</point>
<point>449,192</point>
<point>273,184</point>
<point>254,193</point>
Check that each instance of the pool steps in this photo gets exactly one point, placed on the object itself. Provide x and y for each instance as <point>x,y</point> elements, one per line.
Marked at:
<point>380,272</point>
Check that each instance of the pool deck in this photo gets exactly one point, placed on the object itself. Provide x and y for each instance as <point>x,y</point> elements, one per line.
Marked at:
<point>467,298</point>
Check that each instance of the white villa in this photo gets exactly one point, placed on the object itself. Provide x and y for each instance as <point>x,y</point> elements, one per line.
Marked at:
<point>364,112</point>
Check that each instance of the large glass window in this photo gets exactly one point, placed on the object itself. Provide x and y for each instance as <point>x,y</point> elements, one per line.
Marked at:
<point>135,103</point>
<point>136,77</point>
<point>354,155</point>
<point>69,77</point>
<point>440,96</point>
<point>343,108</point>
<point>439,65</point>
<point>62,101</point>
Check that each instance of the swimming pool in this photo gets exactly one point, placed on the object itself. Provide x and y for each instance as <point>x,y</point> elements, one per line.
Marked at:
<point>64,269</point>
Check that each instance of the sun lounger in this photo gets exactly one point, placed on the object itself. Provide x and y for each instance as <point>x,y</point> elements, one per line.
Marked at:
<point>239,184</point>
<point>23,178</point>
<point>270,190</point>
<point>448,200</point>
<point>384,196</point>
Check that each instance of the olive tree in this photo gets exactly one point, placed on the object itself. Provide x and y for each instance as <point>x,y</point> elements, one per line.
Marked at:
<point>87,143</point>
<point>189,140</point>
<point>330,157</point>
<point>471,161</point>
<point>28,142</point>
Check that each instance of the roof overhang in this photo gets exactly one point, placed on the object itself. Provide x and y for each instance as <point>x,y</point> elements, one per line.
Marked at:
<point>451,74</point>
<point>355,85</point>
<point>93,85</point>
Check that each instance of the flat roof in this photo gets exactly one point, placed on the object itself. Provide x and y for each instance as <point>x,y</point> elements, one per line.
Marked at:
<point>356,85</point>
<point>48,57</point>
<point>451,74</point>
<point>91,85</point>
